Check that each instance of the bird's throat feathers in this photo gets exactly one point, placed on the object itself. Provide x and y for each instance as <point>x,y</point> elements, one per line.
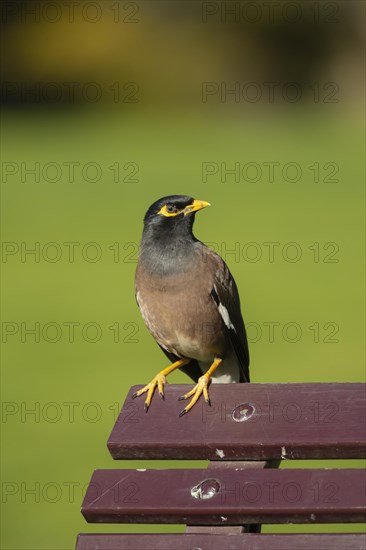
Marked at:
<point>166,252</point>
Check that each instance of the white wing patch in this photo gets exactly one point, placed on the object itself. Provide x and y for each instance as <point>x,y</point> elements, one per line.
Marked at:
<point>225,316</point>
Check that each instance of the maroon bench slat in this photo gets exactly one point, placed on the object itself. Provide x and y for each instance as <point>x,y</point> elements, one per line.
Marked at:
<point>353,541</point>
<point>238,496</point>
<point>246,422</point>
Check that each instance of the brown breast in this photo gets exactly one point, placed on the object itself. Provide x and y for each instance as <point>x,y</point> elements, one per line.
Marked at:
<point>180,313</point>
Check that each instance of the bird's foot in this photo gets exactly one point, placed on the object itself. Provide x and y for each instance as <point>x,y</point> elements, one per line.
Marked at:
<point>158,381</point>
<point>200,388</point>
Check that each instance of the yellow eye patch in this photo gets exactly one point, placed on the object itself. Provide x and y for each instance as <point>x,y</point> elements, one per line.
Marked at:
<point>193,207</point>
<point>164,211</point>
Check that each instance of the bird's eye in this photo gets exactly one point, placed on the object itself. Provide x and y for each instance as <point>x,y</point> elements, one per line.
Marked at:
<point>170,208</point>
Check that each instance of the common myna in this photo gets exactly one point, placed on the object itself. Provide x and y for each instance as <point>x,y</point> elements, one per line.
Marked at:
<point>189,301</point>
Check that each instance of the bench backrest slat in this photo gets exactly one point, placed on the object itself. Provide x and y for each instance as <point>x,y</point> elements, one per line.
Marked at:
<point>153,541</point>
<point>246,422</point>
<point>235,496</point>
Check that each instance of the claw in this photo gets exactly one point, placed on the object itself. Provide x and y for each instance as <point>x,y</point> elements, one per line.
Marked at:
<point>158,382</point>
<point>188,394</point>
<point>199,389</point>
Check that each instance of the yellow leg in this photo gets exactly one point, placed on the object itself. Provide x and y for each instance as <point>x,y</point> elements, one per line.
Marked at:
<point>200,388</point>
<point>159,380</point>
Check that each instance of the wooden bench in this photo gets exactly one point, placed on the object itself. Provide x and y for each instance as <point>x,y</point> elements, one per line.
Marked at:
<point>245,434</point>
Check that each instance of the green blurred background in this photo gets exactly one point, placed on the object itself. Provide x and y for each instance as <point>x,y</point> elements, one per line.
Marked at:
<point>109,105</point>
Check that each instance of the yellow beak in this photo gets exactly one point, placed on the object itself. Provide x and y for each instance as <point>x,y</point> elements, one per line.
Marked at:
<point>195,206</point>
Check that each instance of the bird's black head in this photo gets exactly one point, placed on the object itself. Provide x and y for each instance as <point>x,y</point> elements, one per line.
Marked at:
<point>174,213</point>
<point>167,238</point>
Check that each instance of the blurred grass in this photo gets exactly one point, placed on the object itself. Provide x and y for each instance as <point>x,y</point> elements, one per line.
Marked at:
<point>169,151</point>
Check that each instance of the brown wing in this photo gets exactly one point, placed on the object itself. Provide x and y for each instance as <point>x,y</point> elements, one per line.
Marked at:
<point>225,295</point>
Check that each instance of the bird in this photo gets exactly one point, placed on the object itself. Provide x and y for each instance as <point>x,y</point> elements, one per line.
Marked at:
<point>189,302</point>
